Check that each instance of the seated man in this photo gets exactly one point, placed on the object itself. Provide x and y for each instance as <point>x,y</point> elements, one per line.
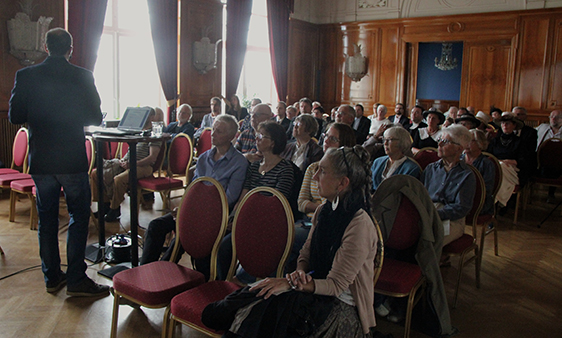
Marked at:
<point>209,119</point>
<point>182,125</point>
<point>246,143</point>
<point>223,163</point>
<point>116,173</point>
<point>247,122</point>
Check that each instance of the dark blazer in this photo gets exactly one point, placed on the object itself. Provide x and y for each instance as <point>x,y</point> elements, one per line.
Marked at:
<point>174,129</point>
<point>363,129</point>
<point>404,121</point>
<point>285,123</point>
<point>412,131</point>
<point>239,115</point>
<point>56,99</point>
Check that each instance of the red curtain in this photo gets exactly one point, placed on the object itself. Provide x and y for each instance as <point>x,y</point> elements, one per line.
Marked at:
<point>278,12</point>
<point>238,14</point>
<point>85,23</point>
<point>164,26</point>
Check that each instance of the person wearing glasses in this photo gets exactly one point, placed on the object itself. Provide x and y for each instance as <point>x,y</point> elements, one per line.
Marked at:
<point>450,182</point>
<point>333,283</point>
<point>397,143</point>
<point>304,150</point>
<point>246,142</point>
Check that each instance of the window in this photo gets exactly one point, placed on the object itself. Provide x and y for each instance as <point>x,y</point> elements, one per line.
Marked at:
<point>125,72</point>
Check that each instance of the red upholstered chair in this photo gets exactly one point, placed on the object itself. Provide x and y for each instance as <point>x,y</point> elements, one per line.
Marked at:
<point>426,156</point>
<point>262,237</point>
<point>397,278</point>
<point>467,243</point>
<point>19,153</point>
<point>123,149</point>
<point>200,226</point>
<point>204,142</point>
<point>179,160</point>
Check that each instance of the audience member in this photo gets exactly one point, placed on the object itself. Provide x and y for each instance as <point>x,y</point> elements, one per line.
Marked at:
<point>316,104</point>
<point>234,108</point>
<point>527,133</point>
<point>304,150</point>
<point>247,123</point>
<point>416,118</point>
<point>182,125</point>
<point>223,163</point>
<point>450,182</point>
<point>379,123</point>
<point>361,124</point>
<point>209,119</point>
<point>397,142</point>
<point>346,114</point>
<point>450,116</point>
<point>428,136</point>
<point>473,155</point>
<point>468,121</point>
<point>246,143</point>
<point>336,261</point>
<point>496,114</point>
<point>281,117</point>
<point>544,132</point>
<point>399,116</point>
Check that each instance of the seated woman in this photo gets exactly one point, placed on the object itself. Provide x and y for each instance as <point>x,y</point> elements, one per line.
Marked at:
<point>513,157</point>
<point>428,136</point>
<point>397,143</point>
<point>272,171</point>
<point>337,135</point>
<point>334,279</point>
<point>473,155</point>
<point>304,150</point>
<point>234,108</point>
<point>450,182</point>
<point>116,173</point>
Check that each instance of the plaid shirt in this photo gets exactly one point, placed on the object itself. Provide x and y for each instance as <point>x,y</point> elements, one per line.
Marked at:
<point>246,142</point>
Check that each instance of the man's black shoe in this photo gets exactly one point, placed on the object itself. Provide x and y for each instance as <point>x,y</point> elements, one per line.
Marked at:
<point>87,288</point>
<point>53,287</point>
<point>113,215</point>
<point>105,209</point>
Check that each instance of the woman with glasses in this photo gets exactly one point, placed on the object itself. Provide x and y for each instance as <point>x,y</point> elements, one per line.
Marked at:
<point>304,150</point>
<point>450,182</point>
<point>331,292</point>
<point>428,136</point>
<point>397,142</point>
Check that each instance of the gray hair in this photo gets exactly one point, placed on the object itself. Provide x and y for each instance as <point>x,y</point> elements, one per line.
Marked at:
<point>188,107</point>
<point>480,137</point>
<point>230,122</point>
<point>458,134</point>
<point>382,107</point>
<point>403,137</point>
<point>309,123</point>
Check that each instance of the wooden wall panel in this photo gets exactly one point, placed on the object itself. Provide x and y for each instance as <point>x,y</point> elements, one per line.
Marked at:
<point>197,89</point>
<point>554,100</point>
<point>486,76</point>
<point>329,67</point>
<point>390,61</point>
<point>303,61</point>
<point>532,62</point>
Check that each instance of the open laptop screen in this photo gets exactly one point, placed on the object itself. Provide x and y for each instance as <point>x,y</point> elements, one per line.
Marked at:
<point>134,118</point>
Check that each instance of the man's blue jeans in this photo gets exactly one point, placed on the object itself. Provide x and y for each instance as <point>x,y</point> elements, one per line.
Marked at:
<point>77,193</point>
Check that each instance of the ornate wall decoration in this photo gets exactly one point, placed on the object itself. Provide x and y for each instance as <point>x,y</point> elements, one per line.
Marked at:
<point>371,3</point>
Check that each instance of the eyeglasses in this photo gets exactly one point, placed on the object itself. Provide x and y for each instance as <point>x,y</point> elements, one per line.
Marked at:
<point>331,139</point>
<point>260,136</point>
<point>390,139</point>
<point>446,142</point>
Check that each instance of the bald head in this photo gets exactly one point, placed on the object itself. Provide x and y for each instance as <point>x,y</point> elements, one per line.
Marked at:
<point>260,113</point>
<point>556,119</point>
<point>345,114</point>
<point>58,42</point>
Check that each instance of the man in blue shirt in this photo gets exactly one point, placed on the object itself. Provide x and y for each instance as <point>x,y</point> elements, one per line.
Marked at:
<point>223,163</point>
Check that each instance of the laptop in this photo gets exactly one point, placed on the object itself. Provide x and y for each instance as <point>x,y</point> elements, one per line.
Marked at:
<point>132,122</point>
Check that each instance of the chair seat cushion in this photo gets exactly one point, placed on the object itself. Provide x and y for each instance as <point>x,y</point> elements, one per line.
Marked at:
<point>189,305</point>
<point>23,185</point>
<point>484,219</point>
<point>397,276</point>
<point>5,180</point>
<point>160,183</point>
<point>459,245</point>
<point>4,171</point>
<point>157,282</point>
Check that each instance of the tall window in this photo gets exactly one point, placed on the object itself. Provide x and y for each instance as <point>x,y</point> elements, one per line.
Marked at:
<point>125,72</point>
<point>256,79</point>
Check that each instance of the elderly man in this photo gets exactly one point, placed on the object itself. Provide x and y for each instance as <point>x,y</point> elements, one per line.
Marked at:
<point>182,125</point>
<point>346,115</point>
<point>209,119</point>
<point>399,116</point>
<point>281,117</point>
<point>361,124</point>
<point>246,142</point>
<point>247,123</point>
<point>223,163</point>
<point>416,120</point>
<point>546,131</point>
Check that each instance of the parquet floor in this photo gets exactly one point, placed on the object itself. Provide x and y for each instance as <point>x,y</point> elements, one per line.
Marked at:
<point>520,296</point>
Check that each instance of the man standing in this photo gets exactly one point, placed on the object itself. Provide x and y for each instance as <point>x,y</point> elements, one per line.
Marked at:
<point>361,124</point>
<point>399,117</point>
<point>209,119</point>
<point>56,100</point>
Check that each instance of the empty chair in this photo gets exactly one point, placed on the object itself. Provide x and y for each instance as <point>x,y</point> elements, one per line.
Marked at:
<point>19,153</point>
<point>204,143</point>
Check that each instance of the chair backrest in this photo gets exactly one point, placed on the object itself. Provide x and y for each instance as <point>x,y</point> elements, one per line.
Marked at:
<point>549,154</point>
<point>180,155</point>
<point>123,149</point>
<point>406,229</point>
<point>202,220</point>
<point>204,142</point>
<point>478,201</point>
<point>497,171</point>
<point>90,153</point>
<point>262,233</point>
<point>112,150</point>
<point>20,150</point>
<point>426,156</point>
<point>379,257</point>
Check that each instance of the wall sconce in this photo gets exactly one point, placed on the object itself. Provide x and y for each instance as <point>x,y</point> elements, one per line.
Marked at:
<point>205,53</point>
<point>27,38</point>
<point>446,62</point>
<point>356,65</point>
